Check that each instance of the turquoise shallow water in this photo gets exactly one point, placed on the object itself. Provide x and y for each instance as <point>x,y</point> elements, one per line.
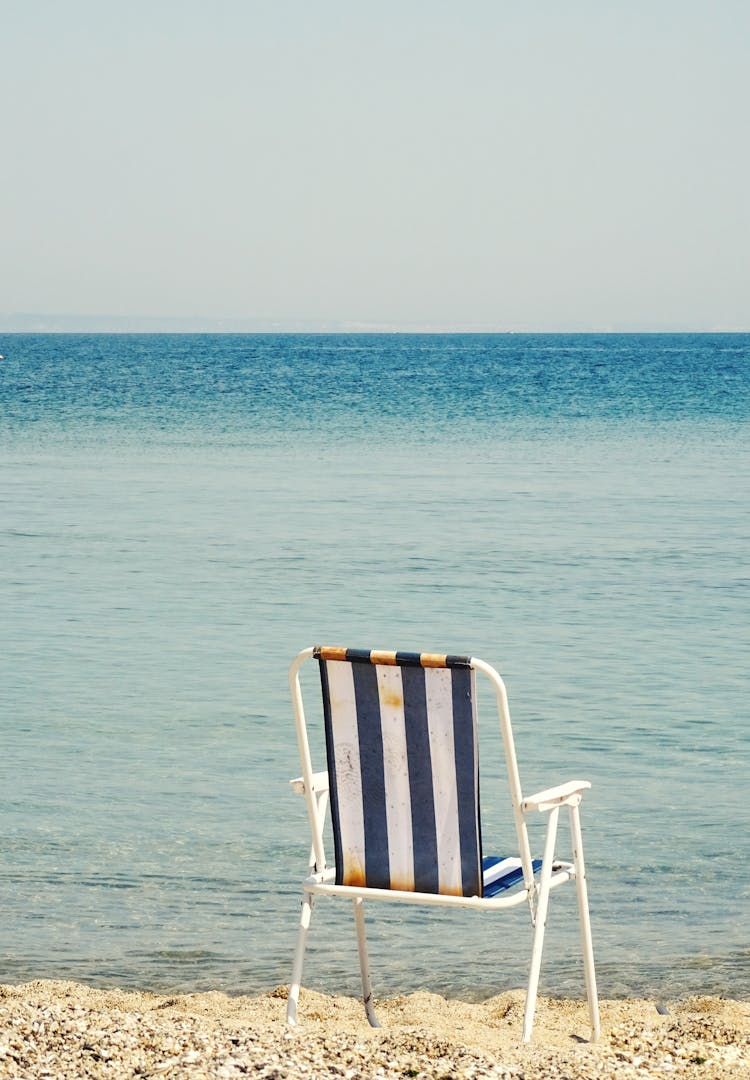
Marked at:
<point>179,515</point>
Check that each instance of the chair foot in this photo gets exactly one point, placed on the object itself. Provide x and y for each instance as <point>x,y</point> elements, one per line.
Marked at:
<point>370,1011</point>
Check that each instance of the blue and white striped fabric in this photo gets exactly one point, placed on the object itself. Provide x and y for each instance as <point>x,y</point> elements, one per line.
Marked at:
<point>401,737</point>
<point>500,874</point>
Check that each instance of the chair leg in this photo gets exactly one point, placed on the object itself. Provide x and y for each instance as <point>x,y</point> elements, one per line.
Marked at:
<point>585,923</point>
<point>299,957</point>
<point>539,923</point>
<point>364,962</point>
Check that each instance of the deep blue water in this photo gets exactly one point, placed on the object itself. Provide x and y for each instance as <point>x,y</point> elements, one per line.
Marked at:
<point>353,385</point>
<point>180,514</point>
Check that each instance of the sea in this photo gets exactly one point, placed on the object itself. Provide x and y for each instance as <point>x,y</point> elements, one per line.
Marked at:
<point>181,514</point>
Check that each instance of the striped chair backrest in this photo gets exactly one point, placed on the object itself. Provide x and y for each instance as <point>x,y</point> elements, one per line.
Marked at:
<point>401,740</point>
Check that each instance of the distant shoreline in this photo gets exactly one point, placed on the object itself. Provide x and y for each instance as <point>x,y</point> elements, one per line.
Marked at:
<point>94,325</point>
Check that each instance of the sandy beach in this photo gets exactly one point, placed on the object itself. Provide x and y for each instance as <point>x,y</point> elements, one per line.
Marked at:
<point>65,1030</point>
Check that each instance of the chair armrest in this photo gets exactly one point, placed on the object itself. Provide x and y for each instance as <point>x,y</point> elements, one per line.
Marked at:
<point>319,783</point>
<point>564,794</point>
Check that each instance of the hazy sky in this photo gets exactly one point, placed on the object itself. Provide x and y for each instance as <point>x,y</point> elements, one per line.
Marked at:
<point>483,164</point>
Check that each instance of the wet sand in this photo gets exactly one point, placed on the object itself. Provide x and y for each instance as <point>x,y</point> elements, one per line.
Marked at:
<point>63,1030</point>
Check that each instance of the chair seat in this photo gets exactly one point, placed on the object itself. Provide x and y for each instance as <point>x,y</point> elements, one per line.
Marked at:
<point>499,873</point>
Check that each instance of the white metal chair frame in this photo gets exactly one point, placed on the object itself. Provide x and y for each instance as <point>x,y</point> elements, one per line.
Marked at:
<point>321,879</point>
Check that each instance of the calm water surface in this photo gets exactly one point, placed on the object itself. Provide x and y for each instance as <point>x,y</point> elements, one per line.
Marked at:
<point>179,515</point>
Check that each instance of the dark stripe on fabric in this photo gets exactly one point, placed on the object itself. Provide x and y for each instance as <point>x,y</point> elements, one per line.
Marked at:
<point>507,881</point>
<point>377,862</point>
<point>458,661</point>
<point>466,781</point>
<point>359,656</point>
<point>333,789</point>
<point>409,659</point>
<point>424,830</point>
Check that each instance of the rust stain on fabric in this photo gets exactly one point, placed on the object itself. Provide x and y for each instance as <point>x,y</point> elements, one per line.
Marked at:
<point>451,890</point>
<point>390,697</point>
<point>432,660</point>
<point>332,652</point>
<point>357,880</point>
<point>354,871</point>
<point>405,884</point>
<point>379,656</point>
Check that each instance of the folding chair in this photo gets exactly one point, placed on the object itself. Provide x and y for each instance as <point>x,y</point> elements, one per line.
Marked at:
<point>403,786</point>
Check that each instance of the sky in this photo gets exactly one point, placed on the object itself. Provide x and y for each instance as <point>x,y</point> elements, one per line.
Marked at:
<point>483,165</point>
